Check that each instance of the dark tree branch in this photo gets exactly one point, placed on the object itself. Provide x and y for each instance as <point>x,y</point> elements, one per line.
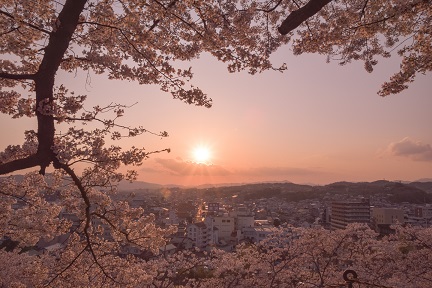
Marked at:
<point>44,83</point>
<point>99,24</point>
<point>66,268</point>
<point>297,17</point>
<point>271,9</point>
<point>402,10</point>
<point>17,76</point>
<point>10,31</point>
<point>26,23</point>
<point>84,196</point>
<point>362,13</point>
<point>44,79</point>
<point>19,164</point>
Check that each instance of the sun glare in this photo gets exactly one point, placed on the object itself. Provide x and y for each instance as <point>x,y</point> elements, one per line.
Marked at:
<point>202,155</point>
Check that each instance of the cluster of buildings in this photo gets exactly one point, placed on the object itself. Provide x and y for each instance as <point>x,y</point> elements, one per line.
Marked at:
<point>217,224</point>
<point>221,228</point>
<point>341,213</point>
<point>225,222</point>
<point>218,227</point>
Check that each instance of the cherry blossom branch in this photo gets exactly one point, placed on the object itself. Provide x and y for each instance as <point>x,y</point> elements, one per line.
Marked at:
<point>374,22</point>
<point>306,22</point>
<point>86,199</point>
<point>297,17</point>
<point>25,23</point>
<point>20,164</point>
<point>406,9</point>
<point>149,61</point>
<point>19,197</point>
<point>89,160</point>
<point>205,102</point>
<point>124,233</point>
<point>362,13</point>
<point>17,76</point>
<point>271,9</point>
<point>10,31</point>
<point>132,131</point>
<point>67,267</point>
<point>171,4</point>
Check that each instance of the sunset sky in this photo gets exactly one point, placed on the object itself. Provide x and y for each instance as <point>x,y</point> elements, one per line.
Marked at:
<point>315,123</point>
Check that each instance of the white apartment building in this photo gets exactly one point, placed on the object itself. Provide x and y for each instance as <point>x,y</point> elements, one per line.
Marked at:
<point>242,217</point>
<point>225,225</point>
<point>200,234</point>
<point>346,212</point>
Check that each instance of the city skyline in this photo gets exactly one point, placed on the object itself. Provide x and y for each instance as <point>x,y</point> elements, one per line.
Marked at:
<point>315,123</point>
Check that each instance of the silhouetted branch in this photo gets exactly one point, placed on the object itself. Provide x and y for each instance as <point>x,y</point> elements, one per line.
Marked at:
<point>19,164</point>
<point>297,17</point>
<point>25,23</point>
<point>17,76</point>
<point>66,268</point>
<point>271,9</point>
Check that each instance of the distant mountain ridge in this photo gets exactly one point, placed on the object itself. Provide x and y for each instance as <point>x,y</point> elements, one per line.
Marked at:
<point>418,192</point>
<point>398,187</point>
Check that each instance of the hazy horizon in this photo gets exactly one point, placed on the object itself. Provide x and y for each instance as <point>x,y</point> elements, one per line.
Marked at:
<point>137,183</point>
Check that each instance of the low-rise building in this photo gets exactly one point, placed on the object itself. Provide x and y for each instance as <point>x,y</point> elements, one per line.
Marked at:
<point>387,216</point>
<point>256,234</point>
<point>383,218</point>
<point>422,216</point>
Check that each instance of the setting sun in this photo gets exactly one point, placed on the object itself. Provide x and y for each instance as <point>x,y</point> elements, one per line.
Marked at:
<point>201,154</point>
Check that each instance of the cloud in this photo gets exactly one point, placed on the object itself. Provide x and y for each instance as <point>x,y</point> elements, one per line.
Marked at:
<point>278,171</point>
<point>414,150</point>
<point>178,167</point>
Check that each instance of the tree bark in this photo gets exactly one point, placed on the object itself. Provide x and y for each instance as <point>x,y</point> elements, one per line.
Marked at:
<point>297,17</point>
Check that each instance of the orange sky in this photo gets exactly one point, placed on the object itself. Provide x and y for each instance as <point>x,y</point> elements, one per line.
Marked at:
<point>315,123</point>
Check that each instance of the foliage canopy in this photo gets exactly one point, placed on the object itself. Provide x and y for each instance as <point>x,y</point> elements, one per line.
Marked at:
<point>140,41</point>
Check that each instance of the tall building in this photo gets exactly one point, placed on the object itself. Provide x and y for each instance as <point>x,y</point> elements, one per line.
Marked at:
<point>346,212</point>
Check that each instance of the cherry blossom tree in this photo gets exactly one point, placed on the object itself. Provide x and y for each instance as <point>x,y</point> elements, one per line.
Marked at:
<point>347,30</point>
<point>301,257</point>
<point>126,40</point>
<point>140,41</point>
